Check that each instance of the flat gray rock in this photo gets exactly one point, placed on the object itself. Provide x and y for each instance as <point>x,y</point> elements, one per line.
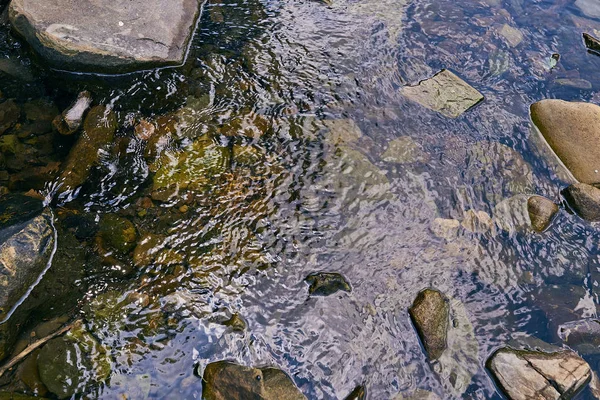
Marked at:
<point>107,35</point>
<point>445,93</point>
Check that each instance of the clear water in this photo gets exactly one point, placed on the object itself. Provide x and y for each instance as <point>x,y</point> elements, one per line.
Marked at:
<point>246,245</point>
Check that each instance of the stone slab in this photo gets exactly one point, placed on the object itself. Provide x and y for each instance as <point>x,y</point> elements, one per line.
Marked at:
<point>107,35</point>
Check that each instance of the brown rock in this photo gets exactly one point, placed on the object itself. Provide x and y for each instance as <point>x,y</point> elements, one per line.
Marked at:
<point>584,200</point>
<point>572,130</point>
<point>430,315</point>
<point>541,212</point>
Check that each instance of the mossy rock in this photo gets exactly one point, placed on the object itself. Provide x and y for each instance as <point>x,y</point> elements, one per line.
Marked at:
<point>195,168</point>
<point>118,232</point>
<point>67,364</point>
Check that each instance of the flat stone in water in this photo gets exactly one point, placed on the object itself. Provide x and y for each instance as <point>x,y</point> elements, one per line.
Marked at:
<point>430,313</point>
<point>107,35</point>
<point>445,93</point>
<point>526,375</point>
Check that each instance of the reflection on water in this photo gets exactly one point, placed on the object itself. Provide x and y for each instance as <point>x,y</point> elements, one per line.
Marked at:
<point>272,158</point>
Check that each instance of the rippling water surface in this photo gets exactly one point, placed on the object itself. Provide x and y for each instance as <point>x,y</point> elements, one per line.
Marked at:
<point>317,90</point>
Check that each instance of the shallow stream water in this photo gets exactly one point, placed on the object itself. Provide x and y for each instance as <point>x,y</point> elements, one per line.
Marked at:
<point>320,85</point>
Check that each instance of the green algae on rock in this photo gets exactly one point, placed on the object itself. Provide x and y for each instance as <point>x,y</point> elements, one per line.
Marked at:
<point>118,232</point>
<point>67,364</point>
<point>445,93</point>
<point>195,168</point>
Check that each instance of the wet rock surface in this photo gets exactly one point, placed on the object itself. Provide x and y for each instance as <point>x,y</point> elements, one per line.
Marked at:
<point>445,93</point>
<point>71,119</point>
<point>326,283</point>
<point>584,200</point>
<point>572,131</point>
<point>225,380</point>
<point>582,335</point>
<point>541,212</point>
<point>525,374</point>
<point>103,36</point>
<point>25,250</point>
<point>430,315</point>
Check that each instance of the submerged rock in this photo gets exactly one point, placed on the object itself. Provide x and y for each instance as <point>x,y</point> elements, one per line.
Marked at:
<point>477,221</point>
<point>572,130</point>
<point>430,315</point>
<point>9,115</point>
<point>404,150</point>
<point>445,93</point>
<point>523,374</point>
<point>541,212</point>
<point>118,232</point>
<point>224,380</point>
<point>71,119</point>
<point>66,364</point>
<point>513,36</point>
<point>591,43</point>
<point>445,228</point>
<point>99,130</point>
<point>326,283</point>
<point>583,335</point>
<point>584,200</point>
<point>102,36</point>
<point>591,8</point>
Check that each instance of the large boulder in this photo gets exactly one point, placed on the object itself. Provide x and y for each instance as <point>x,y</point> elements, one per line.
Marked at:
<point>107,36</point>
<point>572,130</point>
<point>525,374</point>
<point>225,380</point>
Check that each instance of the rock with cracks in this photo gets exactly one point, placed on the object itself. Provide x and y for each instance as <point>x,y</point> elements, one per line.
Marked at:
<point>523,374</point>
<point>103,35</point>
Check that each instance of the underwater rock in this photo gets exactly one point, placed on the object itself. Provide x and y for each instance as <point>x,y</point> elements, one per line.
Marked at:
<point>590,8</point>
<point>418,394</point>
<point>572,130</point>
<point>342,131</point>
<point>584,200</point>
<point>512,215</point>
<point>359,393</point>
<point>523,374</point>
<point>477,221</point>
<point>404,150</point>
<point>591,43</point>
<point>99,130</point>
<point>445,93</point>
<point>582,335</point>
<point>144,130</point>
<point>541,212</point>
<point>224,380</point>
<point>496,171</point>
<point>66,364</point>
<point>71,119</point>
<point>100,36</point>
<point>9,115</point>
<point>118,232</point>
<point>194,168</point>
<point>236,323</point>
<point>445,228</point>
<point>513,36</point>
<point>430,315</point>
<point>326,283</point>
<point>251,125</point>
